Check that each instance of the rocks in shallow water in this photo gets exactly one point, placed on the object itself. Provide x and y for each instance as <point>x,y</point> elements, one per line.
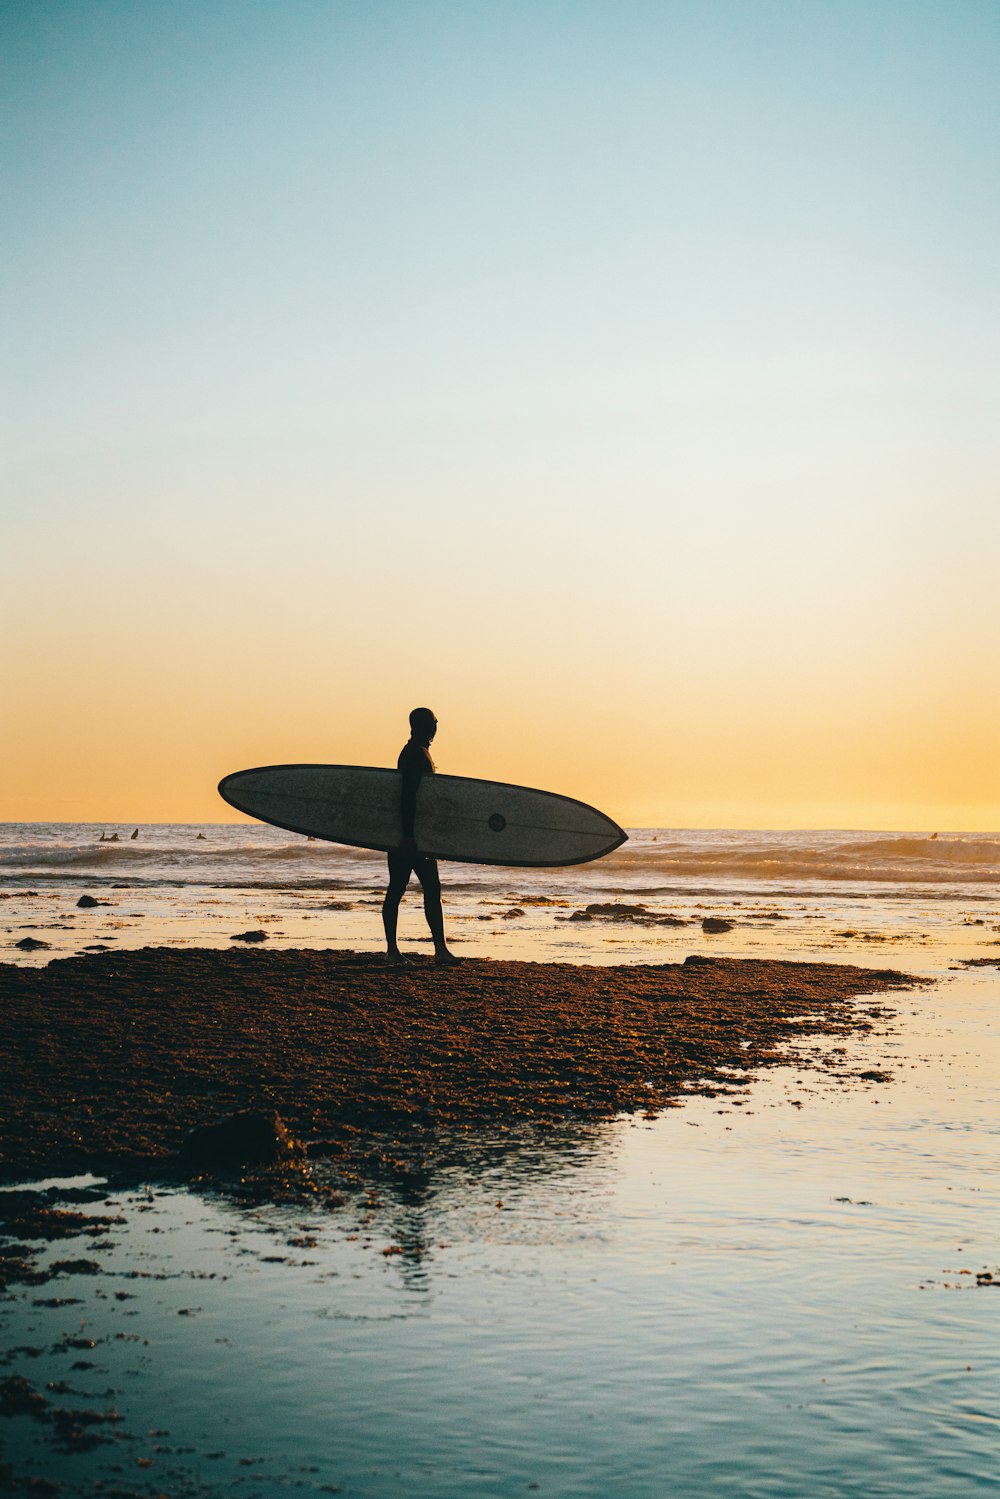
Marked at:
<point>31,944</point>
<point>716,924</point>
<point>255,936</point>
<point>86,901</point>
<point>616,910</point>
<point>637,915</point>
<point>73,1430</point>
<point>253,1137</point>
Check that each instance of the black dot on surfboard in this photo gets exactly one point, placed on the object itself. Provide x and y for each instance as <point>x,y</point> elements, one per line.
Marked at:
<point>497,822</point>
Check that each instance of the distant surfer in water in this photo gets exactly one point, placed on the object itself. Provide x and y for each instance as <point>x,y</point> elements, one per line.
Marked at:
<point>415,761</point>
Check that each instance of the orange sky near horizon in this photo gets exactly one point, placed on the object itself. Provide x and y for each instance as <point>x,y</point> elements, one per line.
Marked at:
<point>117,734</point>
<point>620,383</point>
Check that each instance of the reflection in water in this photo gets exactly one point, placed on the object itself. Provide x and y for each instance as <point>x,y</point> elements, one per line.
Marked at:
<point>415,1191</point>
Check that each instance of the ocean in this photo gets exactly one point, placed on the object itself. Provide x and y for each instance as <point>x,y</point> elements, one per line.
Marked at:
<point>809,893</point>
<point>791,1290</point>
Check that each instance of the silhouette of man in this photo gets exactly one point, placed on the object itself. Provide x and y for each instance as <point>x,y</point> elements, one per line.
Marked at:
<point>414,762</point>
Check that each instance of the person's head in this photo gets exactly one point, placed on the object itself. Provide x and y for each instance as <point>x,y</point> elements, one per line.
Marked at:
<point>423,725</point>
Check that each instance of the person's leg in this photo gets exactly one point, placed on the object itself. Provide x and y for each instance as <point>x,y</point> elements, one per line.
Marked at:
<point>427,873</point>
<point>400,869</point>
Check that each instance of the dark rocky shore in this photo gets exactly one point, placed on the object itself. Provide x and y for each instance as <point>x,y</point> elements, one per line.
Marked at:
<point>111,1060</point>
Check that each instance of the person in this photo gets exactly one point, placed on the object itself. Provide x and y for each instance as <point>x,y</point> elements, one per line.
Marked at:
<point>415,762</point>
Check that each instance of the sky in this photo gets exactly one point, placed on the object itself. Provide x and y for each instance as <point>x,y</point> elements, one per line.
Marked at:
<point>618,379</point>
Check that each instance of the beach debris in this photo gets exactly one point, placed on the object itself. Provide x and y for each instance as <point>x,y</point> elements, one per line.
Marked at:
<point>252,1137</point>
<point>256,935</point>
<point>715,924</point>
<point>32,944</point>
<point>86,902</point>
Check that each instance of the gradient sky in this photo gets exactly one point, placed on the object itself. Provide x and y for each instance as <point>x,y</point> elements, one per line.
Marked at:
<point>619,379</point>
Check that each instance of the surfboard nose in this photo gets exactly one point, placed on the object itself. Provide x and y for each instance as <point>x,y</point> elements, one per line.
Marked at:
<point>620,836</point>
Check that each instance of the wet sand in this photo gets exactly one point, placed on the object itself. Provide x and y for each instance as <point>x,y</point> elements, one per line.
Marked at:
<point>113,1058</point>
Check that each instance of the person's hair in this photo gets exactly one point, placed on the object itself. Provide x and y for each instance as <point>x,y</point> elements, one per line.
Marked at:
<point>421,716</point>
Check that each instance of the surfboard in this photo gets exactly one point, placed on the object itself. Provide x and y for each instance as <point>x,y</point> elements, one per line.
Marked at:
<point>475,822</point>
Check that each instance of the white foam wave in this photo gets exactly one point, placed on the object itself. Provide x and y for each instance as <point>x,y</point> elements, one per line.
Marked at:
<point>104,855</point>
<point>232,856</point>
<point>755,857</point>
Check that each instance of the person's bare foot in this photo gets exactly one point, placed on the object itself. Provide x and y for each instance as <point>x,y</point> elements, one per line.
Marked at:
<point>446,959</point>
<point>398,960</point>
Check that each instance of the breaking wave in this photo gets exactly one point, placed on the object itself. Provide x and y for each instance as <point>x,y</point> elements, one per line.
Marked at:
<point>653,858</point>
<point>215,861</point>
<point>124,855</point>
<point>789,856</point>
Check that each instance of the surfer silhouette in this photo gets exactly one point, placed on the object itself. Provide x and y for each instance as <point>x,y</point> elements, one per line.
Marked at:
<point>415,761</point>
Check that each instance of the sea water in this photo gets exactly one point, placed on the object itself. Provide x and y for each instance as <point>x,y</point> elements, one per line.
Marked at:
<point>206,885</point>
<point>780,1292</point>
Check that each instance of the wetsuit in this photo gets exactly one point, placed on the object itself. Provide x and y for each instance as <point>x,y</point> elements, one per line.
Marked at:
<point>414,762</point>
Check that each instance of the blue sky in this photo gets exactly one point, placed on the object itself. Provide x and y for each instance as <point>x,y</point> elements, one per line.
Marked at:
<point>526,356</point>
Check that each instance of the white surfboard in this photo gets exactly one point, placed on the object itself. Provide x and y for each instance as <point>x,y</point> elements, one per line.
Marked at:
<point>477,822</point>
